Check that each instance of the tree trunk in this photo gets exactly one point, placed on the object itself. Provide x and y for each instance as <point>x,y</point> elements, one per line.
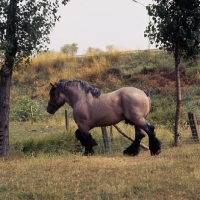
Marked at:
<point>178,95</point>
<point>6,76</point>
<point>4,113</point>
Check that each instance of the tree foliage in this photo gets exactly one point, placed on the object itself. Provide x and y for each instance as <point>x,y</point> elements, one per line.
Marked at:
<point>175,21</point>
<point>70,49</point>
<point>175,27</point>
<point>93,51</point>
<point>24,29</point>
<point>111,48</point>
<point>34,20</point>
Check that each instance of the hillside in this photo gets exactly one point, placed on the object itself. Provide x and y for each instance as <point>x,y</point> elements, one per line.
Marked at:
<point>109,71</point>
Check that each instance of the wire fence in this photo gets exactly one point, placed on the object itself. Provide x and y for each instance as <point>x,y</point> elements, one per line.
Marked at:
<point>117,137</point>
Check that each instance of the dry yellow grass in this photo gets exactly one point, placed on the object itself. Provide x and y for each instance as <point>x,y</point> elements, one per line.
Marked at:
<point>52,66</point>
<point>43,69</point>
<point>174,174</point>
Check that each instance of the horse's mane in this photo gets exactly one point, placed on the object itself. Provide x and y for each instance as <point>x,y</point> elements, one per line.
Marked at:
<point>85,86</point>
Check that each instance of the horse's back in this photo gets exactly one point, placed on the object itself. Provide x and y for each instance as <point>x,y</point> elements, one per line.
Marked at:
<point>133,92</point>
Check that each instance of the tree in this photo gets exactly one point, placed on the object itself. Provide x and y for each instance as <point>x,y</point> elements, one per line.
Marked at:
<point>175,28</point>
<point>111,48</point>
<point>24,29</point>
<point>93,51</point>
<point>70,49</point>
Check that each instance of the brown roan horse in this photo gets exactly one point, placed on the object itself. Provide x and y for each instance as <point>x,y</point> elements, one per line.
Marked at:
<point>91,108</point>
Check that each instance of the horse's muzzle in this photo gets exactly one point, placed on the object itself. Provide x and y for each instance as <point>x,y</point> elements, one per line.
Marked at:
<point>51,110</point>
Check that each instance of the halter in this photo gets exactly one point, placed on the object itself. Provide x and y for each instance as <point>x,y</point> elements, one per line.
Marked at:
<point>53,104</point>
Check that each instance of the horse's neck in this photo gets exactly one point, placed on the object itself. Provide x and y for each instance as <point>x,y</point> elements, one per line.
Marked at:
<point>74,95</point>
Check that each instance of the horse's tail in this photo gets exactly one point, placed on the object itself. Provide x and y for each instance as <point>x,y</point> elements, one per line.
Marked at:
<point>147,92</point>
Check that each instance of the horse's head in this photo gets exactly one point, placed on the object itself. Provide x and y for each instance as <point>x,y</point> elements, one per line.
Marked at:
<point>56,99</point>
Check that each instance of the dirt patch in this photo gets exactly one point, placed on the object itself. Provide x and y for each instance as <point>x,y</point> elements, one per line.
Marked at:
<point>161,80</point>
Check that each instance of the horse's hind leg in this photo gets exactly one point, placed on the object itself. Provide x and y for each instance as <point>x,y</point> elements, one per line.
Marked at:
<point>154,143</point>
<point>134,148</point>
<point>86,140</point>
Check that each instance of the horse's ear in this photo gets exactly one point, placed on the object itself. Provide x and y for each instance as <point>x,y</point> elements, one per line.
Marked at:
<point>54,86</point>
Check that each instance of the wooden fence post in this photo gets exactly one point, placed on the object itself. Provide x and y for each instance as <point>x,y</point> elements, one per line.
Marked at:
<point>66,120</point>
<point>105,138</point>
<point>111,134</point>
<point>31,109</point>
<point>193,126</point>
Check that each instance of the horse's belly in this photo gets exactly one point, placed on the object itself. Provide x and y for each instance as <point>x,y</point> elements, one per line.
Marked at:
<point>107,121</point>
<point>106,110</point>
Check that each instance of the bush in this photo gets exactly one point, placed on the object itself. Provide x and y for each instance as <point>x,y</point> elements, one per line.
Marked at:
<point>21,110</point>
<point>162,111</point>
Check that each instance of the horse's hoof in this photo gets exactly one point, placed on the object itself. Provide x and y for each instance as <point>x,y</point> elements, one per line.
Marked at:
<point>155,153</point>
<point>133,149</point>
<point>154,146</point>
<point>89,153</point>
<point>130,153</point>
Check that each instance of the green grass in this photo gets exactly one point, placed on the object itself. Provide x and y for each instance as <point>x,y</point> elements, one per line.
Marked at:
<point>50,138</point>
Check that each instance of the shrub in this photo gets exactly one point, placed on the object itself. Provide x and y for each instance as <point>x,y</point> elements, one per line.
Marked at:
<point>21,110</point>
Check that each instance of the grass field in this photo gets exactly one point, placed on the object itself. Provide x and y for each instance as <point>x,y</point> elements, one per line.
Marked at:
<point>174,174</point>
<point>59,174</point>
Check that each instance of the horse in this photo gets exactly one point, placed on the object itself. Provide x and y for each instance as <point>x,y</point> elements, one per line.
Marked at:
<point>92,108</point>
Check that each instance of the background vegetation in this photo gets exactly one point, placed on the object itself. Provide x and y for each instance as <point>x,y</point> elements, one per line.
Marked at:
<point>152,70</point>
<point>110,70</point>
<point>46,160</point>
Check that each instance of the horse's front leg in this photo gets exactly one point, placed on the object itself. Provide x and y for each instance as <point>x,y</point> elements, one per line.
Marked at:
<point>87,141</point>
<point>134,148</point>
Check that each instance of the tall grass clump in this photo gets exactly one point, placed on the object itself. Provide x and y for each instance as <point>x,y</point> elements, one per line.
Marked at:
<point>55,143</point>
